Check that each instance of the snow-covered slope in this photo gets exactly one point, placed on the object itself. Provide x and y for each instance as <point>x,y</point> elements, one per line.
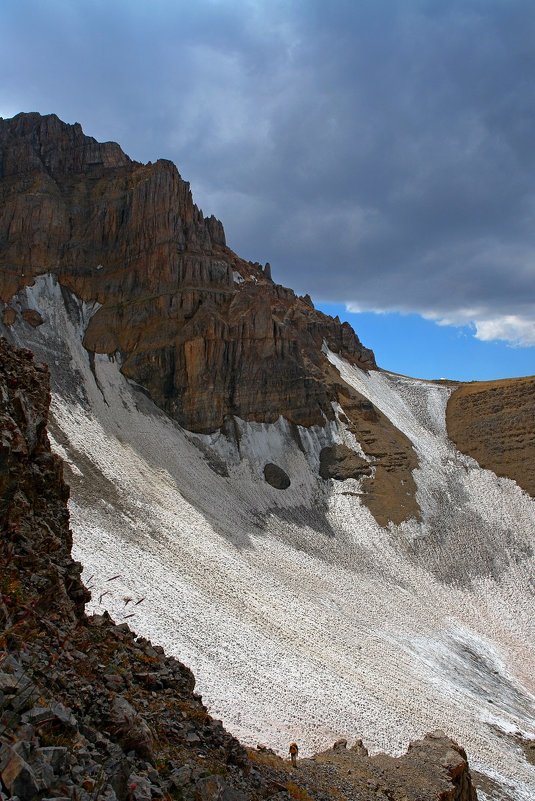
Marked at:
<point>300,616</point>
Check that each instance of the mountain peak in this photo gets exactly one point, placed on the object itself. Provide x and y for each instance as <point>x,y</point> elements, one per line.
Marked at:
<point>205,332</point>
<point>31,139</point>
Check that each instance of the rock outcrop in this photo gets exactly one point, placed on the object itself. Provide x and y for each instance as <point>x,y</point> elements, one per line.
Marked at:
<point>390,492</point>
<point>340,462</point>
<point>206,333</point>
<point>434,768</point>
<point>33,497</point>
<point>88,710</point>
<point>77,693</point>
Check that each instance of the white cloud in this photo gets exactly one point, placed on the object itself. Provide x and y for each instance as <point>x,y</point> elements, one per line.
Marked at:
<point>489,326</point>
<point>517,330</point>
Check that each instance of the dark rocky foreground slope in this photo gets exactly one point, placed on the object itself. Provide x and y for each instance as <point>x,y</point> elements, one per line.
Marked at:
<point>90,711</point>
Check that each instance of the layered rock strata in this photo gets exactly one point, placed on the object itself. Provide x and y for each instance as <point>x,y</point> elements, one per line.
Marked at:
<point>206,333</point>
<point>494,422</point>
<point>88,710</point>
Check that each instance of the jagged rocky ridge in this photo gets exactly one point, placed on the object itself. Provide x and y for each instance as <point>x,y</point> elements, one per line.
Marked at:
<point>88,711</point>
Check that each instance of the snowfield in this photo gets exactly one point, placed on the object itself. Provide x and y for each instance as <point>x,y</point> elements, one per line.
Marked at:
<point>300,616</point>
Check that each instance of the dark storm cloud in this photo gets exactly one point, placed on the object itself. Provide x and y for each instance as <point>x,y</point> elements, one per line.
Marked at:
<point>379,153</point>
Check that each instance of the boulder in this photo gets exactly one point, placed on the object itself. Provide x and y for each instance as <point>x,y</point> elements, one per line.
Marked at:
<point>214,788</point>
<point>32,317</point>
<point>340,745</point>
<point>131,730</point>
<point>17,775</point>
<point>139,788</point>
<point>276,476</point>
<point>359,748</point>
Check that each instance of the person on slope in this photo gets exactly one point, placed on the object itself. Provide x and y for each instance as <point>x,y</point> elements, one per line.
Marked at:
<point>293,751</point>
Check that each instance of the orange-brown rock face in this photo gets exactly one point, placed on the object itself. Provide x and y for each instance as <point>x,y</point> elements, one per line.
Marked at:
<point>206,333</point>
<point>494,422</point>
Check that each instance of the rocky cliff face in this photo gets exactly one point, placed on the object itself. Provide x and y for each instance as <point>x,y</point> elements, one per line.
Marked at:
<point>206,333</point>
<point>88,711</point>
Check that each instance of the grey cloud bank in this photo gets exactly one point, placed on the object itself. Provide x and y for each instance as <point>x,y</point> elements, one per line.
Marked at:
<point>377,153</point>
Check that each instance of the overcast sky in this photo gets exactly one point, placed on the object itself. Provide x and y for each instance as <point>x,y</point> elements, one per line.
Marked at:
<point>379,153</point>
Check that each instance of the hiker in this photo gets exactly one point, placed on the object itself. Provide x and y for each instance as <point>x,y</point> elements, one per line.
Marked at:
<point>294,750</point>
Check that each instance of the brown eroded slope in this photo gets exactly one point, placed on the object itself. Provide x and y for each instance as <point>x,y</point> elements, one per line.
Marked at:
<point>390,493</point>
<point>494,422</point>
